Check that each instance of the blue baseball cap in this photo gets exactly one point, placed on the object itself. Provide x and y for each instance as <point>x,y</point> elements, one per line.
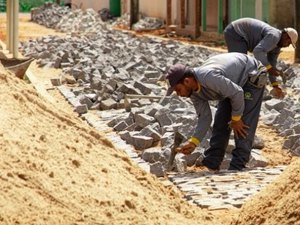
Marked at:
<point>174,75</point>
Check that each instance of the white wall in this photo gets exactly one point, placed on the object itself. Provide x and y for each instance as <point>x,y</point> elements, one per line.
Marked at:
<point>153,8</point>
<point>85,4</point>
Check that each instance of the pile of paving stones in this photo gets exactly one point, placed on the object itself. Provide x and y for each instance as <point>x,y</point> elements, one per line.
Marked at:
<point>63,19</point>
<point>284,115</point>
<point>104,66</point>
<point>49,14</point>
<point>148,23</point>
<point>105,14</point>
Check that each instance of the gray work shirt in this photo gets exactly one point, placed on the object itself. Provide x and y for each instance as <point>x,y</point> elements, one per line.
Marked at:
<point>222,76</point>
<point>261,38</point>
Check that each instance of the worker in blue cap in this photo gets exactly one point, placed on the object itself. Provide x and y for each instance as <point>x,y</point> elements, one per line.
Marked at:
<point>237,81</point>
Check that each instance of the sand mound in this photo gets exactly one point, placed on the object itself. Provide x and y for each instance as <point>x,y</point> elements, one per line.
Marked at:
<point>278,204</point>
<point>54,169</point>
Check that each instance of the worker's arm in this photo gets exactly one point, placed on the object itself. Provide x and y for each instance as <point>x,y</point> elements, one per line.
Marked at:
<point>235,93</point>
<point>266,51</point>
<point>272,58</point>
<point>204,121</point>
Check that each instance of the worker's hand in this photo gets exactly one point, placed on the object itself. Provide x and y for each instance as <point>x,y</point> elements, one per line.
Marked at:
<point>273,71</point>
<point>239,128</point>
<point>277,92</point>
<point>186,148</point>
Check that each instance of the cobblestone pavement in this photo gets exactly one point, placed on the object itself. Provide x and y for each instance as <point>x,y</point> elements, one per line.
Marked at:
<point>211,190</point>
<point>224,189</point>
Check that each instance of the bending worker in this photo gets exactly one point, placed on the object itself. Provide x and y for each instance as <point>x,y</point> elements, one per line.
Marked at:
<point>237,81</point>
<point>265,41</point>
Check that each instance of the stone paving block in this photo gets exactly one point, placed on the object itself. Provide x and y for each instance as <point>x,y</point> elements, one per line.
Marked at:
<point>151,74</point>
<point>153,155</point>
<point>150,132</point>
<point>150,111</point>
<point>142,142</point>
<point>143,120</point>
<point>86,101</point>
<point>162,116</point>
<point>128,89</point>
<point>132,127</point>
<point>81,109</point>
<point>167,139</point>
<point>258,143</point>
<point>142,87</point>
<point>108,104</point>
<point>120,126</point>
<point>276,104</point>
<point>157,168</point>
<point>66,92</point>
<point>256,159</point>
<point>269,118</point>
<point>55,81</point>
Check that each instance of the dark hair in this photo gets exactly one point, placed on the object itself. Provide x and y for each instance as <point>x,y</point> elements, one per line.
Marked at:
<point>187,73</point>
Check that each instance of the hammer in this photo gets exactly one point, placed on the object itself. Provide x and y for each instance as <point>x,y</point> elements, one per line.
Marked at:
<point>178,138</point>
<point>283,76</point>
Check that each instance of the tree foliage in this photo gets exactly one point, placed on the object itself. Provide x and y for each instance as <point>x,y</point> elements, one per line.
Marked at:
<point>25,5</point>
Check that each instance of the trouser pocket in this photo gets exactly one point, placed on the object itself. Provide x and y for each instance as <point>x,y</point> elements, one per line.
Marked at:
<point>259,81</point>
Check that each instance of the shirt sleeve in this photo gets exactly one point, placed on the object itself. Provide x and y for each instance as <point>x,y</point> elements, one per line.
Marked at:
<point>225,88</point>
<point>272,58</point>
<point>204,117</point>
<point>267,44</point>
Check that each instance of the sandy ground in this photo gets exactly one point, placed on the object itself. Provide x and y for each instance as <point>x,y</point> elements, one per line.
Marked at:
<point>55,169</point>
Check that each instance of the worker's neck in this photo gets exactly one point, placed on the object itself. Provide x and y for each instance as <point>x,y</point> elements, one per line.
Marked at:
<point>196,85</point>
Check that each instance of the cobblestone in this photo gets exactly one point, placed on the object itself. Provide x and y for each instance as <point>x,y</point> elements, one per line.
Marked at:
<point>224,189</point>
<point>214,191</point>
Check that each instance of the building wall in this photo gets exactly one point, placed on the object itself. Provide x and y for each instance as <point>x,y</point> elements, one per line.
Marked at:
<point>258,9</point>
<point>212,15</point>
<point>282,13</point>
<point>85,4</point>
<point>153,8</point>
<point>279,13</point>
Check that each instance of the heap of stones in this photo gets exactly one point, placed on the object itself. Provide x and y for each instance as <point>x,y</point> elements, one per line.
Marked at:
<point>106,65</point>
<point>284,114</point>
<point>148,23</point>
<point>49,14</point>
<point>105,14</point>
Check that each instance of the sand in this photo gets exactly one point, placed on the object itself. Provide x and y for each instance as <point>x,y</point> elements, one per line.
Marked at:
<point>55,169</point>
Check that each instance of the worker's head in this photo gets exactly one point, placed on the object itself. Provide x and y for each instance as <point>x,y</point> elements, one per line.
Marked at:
<point>181,80</point>
<point>288,36</point>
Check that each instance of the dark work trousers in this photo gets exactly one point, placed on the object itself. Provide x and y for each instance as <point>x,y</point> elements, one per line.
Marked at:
<point>234,42</point>
<point>214,155</point>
